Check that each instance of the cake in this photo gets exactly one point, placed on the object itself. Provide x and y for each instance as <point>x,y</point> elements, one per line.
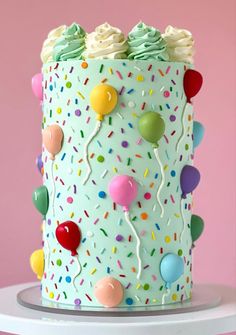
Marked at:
<point>119,138</point>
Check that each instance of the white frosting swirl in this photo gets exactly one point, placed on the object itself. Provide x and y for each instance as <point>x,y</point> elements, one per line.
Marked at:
<point>180,44</point>
<point>48,45</point>
<point>106,42</point>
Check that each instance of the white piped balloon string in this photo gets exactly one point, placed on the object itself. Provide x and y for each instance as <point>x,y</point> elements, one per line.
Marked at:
<point>78,273</point>
<point>53,189</point>
<point>91,137</point>
<point>162,181</point>
<point>163,300</point>
<point>182,216</point>
<point>127,219</point>
<point>183,129</point>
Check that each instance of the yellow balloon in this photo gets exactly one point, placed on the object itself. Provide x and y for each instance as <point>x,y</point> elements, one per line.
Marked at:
<point>103,99</point>
<point>37,263</point>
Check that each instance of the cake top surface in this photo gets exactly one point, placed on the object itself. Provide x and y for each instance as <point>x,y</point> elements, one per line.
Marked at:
<point>107,42</point>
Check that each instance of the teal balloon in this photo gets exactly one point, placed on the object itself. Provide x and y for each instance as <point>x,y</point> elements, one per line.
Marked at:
<point>41,200</point>
<point>171,268</point>
<point>152,127</point>
<point>196,227</point>
<point>198,133</point>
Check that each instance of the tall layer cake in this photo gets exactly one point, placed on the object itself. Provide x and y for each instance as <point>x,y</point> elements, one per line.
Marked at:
<point>117,164</point>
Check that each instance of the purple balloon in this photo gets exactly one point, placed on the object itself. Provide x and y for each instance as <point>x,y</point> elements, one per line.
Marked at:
<point>189,179</point>
<point>39,163</point>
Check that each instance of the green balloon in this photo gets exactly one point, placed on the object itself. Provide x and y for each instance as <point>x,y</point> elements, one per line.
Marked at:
<point>196,227</point>
<point>41,200</point>
<point>152,127</point>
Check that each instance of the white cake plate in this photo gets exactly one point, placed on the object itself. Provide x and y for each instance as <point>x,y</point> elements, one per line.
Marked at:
<point>16,319</point>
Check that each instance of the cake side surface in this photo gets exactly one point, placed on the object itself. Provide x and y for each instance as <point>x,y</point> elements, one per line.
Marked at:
<point>158,218</point>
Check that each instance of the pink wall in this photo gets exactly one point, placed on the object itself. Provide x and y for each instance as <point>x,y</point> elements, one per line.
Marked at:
<point>23,28</point>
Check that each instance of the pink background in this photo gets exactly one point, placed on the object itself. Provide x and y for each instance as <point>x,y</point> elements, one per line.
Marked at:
<point>24,26</point>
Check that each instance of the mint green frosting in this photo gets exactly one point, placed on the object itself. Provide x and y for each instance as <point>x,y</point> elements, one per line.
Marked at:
<point>71,44</point>
<point>145,42</point>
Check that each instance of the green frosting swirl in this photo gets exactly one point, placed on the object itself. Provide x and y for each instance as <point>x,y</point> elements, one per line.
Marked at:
<point>145,42</point>
<point>71,44</point>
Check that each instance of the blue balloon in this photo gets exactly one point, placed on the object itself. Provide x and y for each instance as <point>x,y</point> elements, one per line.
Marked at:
<point>171,268</point>
<point>198,133</point>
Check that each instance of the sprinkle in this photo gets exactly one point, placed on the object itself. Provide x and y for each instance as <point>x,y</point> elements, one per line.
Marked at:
<point>119,264</point>
<point>104,232</point>
<point>104,173</point>
<point>161,73</point>
<point>110,70</point>
<point>101,68</point>
<point>93,271</point>
<point>168,69</point>
<point>153,236</point>
<point>130,91</point>
<point>86,213</point>
<point>121,90</point>
<point>153,251</point>
<point>143,105</point>
<point>119,74</point>
<point>157,226</point>
<point>80,95</point>
<point>146,172</point>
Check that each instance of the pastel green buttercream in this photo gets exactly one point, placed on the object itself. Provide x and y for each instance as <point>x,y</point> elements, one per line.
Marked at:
<point>71,44</point>
<point>145,42</point>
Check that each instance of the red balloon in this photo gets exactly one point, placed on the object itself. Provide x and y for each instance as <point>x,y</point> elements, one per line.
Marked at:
<point>192,83</point>
<point>68,235</point>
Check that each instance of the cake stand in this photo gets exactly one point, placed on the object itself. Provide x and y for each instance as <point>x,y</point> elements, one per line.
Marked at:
<point>218,317</point>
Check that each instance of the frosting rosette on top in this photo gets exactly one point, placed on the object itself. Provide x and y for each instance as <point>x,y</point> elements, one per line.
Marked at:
<point>106,42</point>
<point>180,44</point>
<point>48,45</point>
<point>71,44</point>
<point>145,42</point>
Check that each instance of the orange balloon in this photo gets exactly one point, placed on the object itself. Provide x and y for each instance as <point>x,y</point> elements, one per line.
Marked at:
<point>109,292</point>
<point>52,139</point>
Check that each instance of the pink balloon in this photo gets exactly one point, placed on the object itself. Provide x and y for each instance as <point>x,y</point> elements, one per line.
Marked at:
<point>52,139</point>
<point>123,190</point>
<point>37,87</point>
<point>109,292</point>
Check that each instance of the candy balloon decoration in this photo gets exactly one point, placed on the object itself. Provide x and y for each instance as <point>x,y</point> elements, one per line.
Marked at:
<point>152,127</point>
<point>41,200</point>
<point>171,269</point>
<point>189,179</point>
<point>198,133</point>
<point>37,86</point>
<point>192,84</point>
<point>196,227</point>
<point>39,163</point>
<point>109,292</point>
<point>37,263</point>
<point>123,190</point>
<point>103,99</point>
<point>69,236</point>
<point>52,140</point>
